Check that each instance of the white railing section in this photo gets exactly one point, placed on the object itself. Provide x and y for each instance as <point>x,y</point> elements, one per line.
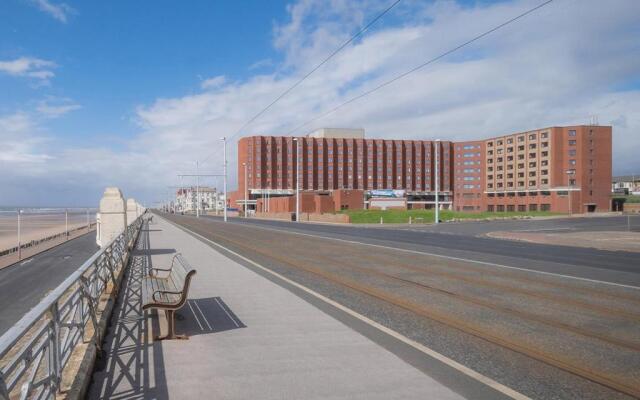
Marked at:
<point>36,350</point>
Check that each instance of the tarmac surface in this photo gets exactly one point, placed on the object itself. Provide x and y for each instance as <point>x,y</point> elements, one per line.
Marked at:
<point>466,240</point>
<point>23,284</point>
<point>250,338</point>
<point>546,321</point>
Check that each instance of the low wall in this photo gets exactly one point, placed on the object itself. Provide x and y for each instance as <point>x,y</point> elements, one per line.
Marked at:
<point>632,208</point>
<point>275,215</point>
<point>333,218</point>
<point>309,217</point>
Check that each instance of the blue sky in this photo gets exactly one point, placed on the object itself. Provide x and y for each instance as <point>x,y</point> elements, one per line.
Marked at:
<point>131,93</point>
<point>115,55</point>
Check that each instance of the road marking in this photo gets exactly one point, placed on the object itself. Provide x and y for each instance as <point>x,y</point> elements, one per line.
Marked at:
<point>26,261</point>
<point>507,391</point>
<point>544,229</point>
<point>453,258</point>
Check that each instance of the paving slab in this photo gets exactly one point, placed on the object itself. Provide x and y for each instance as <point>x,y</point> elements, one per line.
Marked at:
<point>249,338</point>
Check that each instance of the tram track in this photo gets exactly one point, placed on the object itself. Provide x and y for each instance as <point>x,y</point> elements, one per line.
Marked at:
<point>547,356</point>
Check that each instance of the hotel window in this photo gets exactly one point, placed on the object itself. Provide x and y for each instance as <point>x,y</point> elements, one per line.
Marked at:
<point>572,153</point>
<point>572,142</point>
<point>499,142</point>
<point>572,133</point>
<point>510,140</point>
<point>520,138</point>
<point>544,135</point>
<point>532,136</point>
<point>572,162</point>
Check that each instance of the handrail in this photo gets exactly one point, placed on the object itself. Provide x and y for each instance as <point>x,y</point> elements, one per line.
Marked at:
<point>35,351</point>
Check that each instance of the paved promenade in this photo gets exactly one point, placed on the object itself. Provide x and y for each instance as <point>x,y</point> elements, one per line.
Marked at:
<point>249,338</point>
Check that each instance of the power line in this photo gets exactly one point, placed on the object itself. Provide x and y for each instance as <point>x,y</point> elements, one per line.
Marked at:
<point>298,82</point>
<point>412,70</point>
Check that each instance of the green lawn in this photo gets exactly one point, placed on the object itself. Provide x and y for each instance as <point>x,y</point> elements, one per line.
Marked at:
<point>402,216</point>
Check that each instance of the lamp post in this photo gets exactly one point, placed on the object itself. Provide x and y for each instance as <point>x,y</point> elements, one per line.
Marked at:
<point>197,191</point>
<point>246,189</point>
<point>437,182</point>
<point>19,236</point>
<point>297,179</point>
<point>224,185</point>
<point>570,173</point>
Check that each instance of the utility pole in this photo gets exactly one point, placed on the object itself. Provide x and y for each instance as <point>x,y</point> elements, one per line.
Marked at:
<point>66,224</point>
<point>197,191</point>
<point>246,190</point>
<point>19,237</point>
<point>297,179</point>
<point>570,173</point>
<point>437,176</point>
<point>224,185</point>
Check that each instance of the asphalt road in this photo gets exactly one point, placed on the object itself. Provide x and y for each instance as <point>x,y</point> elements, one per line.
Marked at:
<point>23,284</point>
<point>608,266</point>
<point>522,329</point>
<point>576,224</point>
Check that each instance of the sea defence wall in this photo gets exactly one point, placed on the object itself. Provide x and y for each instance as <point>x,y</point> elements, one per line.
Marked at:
<point>115,215</point>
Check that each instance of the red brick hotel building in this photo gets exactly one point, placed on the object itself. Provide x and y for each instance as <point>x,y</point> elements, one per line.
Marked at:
<point>562,169</point>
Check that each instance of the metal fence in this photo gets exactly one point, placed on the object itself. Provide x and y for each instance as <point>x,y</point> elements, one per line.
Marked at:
<point>36,350</point>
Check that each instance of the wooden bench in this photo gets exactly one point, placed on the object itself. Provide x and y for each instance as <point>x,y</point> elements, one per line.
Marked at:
<point>167,289</point>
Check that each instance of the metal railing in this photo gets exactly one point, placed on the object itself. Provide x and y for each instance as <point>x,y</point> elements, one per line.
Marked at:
<point>36,350</point>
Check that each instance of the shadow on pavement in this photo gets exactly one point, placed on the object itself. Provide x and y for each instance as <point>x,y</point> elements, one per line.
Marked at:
<point>131,366</point>
<point>208,315</point>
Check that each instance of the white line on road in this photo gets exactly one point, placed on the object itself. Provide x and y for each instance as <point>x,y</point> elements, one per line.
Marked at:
<point>507,391</point>
<point>454,258</point>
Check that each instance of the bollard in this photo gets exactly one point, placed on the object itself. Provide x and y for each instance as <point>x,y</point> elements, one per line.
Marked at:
<point>380,220</point>
<point>409,219</point>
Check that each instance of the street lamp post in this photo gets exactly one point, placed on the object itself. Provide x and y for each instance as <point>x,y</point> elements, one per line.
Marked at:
<point>224,185</point>
<point>570,173</point>
<point>197,190</point>
<point>19,236</point>
<point>246,189</point>
<point>437,182</point>
<point>297,179</point>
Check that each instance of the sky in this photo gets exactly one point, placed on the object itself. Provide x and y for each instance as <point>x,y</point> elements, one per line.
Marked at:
<point>132,93</point>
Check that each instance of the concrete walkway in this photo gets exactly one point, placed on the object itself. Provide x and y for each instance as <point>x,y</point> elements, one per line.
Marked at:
<point>249,339</point>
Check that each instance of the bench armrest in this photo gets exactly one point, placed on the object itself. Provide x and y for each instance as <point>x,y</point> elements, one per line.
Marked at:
<point>158,269</point>
<point>162,292</point>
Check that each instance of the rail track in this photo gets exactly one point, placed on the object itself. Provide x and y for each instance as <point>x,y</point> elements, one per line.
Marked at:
<point>624,384</point>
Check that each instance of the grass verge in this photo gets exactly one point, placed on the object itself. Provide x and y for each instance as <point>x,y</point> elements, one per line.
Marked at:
<point>427,216</point>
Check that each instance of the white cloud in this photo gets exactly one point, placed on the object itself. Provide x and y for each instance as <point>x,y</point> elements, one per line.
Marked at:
<point>35,68</point>
<point>214,82</point>
<point>20,142</point>
<point>54,107</point>
<point>60,11</point>
<point>558,66</point>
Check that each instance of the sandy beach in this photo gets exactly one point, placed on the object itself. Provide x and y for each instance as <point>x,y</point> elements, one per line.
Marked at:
<point>38,225</point>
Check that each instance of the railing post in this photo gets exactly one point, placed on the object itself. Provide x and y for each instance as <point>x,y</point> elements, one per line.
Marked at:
<point>86,292</point>
<point>4,392</point>
<point>55,356</point>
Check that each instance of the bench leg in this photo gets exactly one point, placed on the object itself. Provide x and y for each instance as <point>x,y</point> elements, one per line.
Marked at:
<point>171,333</point>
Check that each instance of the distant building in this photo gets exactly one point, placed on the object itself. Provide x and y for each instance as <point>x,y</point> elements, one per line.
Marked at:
<point>561,169</point>
<point>629,184</point>
<point>186,199</point>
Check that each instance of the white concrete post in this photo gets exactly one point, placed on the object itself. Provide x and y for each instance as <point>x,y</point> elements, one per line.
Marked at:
<point>113,216</point>
<point>132,211</point>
